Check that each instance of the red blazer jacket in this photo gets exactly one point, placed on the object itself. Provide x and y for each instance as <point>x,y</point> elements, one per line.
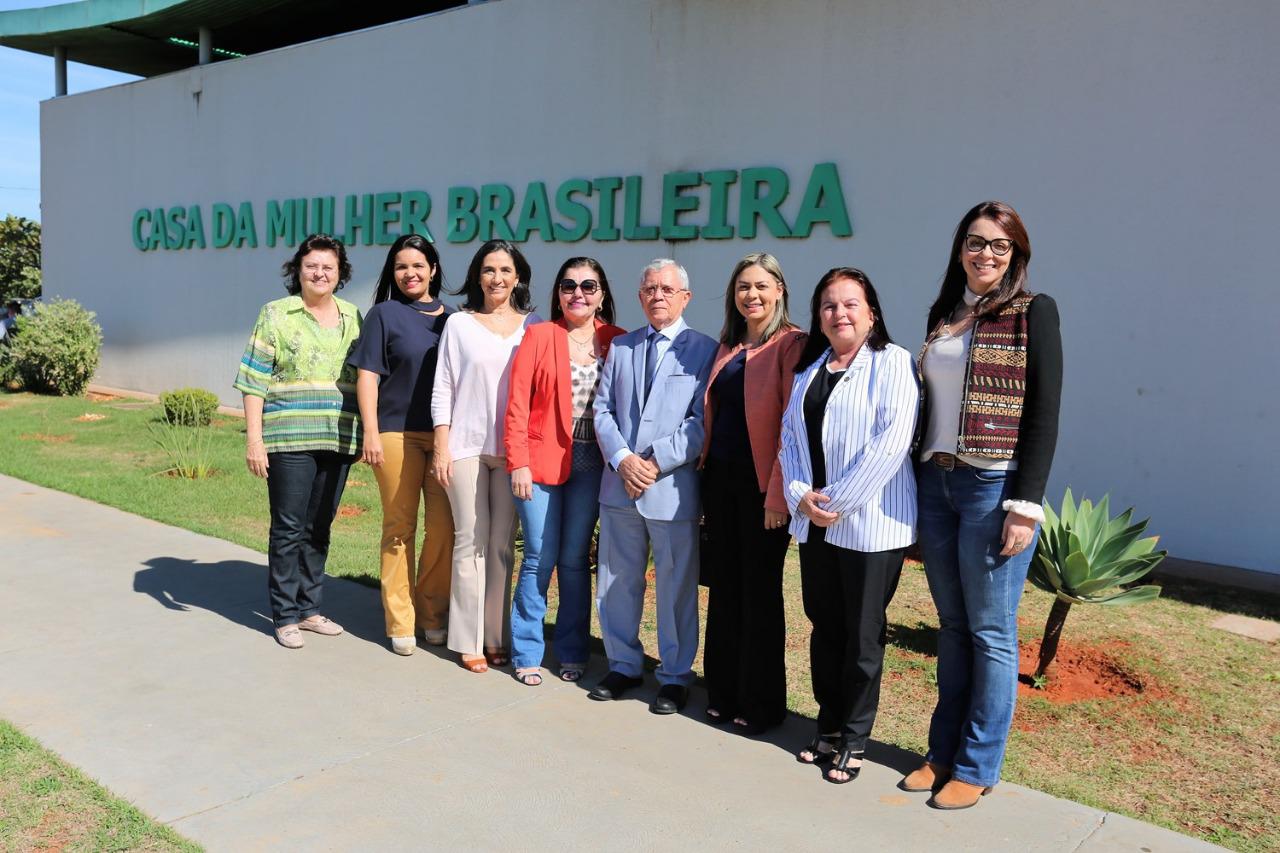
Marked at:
<point>539,421</point>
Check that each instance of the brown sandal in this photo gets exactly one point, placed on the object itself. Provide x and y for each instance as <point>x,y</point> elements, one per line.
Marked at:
<point>474,663</point>
<point>497,657</point>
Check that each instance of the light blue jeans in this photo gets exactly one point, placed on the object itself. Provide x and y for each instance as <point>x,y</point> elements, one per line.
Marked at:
<point>558,522</point>
<point>976,592</point>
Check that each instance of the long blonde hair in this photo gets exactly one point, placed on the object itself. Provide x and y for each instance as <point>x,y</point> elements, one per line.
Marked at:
<point>735,325</point>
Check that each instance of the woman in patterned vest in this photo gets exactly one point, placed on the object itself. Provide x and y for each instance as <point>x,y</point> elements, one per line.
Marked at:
<point>992,371</point>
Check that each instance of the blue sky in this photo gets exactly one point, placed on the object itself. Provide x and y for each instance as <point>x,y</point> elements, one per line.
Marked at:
<point>26,79</point>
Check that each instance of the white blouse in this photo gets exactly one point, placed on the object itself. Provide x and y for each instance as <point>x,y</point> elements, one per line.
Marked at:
<point>473,376</point>
<point>944,365</point>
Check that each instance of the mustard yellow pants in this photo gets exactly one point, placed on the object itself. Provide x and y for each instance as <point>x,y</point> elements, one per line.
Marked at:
<point>403,478</point>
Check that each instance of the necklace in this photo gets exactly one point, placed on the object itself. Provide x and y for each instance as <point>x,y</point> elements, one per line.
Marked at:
<point>584,345</point>
<point>962,312</point>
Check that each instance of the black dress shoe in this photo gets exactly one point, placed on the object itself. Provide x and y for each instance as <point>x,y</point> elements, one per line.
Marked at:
<point>613,685</point>
<point>670,699</point>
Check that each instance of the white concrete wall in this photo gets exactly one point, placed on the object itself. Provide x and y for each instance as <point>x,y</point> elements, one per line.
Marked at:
<point>1136,138</point>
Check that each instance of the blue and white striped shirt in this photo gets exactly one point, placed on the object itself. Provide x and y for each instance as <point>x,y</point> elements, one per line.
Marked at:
<point>866,436</point>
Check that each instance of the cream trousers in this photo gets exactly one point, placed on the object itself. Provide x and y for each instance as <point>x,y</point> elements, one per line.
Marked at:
<point>484,525</point>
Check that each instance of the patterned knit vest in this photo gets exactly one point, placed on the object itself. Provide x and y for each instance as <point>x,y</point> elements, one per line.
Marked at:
<point>996,383</point>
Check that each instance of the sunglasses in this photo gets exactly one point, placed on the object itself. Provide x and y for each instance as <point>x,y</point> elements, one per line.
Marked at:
<point>588,287</point>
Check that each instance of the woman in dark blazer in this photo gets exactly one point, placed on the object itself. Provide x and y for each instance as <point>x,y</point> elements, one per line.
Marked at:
<point>992,368</point>
<point>743,504</point>
<point>556,465</point>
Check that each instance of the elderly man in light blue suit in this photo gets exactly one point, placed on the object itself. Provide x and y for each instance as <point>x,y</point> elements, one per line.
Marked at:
<point>648,419</point>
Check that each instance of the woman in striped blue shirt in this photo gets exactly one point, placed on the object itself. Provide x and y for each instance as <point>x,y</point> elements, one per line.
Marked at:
<point>846,435</point>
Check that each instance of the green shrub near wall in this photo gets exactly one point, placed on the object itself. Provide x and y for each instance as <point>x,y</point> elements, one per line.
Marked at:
<point>57,348</point>
<point>189,406</point>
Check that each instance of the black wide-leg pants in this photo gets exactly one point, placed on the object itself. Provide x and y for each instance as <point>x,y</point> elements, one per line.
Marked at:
<point>846,594</point>
<point>744,654</point>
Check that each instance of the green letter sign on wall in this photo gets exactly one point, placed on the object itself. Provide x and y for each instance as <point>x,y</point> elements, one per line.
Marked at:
<point>578,209</point>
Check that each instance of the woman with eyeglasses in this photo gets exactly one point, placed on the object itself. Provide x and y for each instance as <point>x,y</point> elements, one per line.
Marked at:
<point>396,359</point>
<point>992,368</point>
<point>468,407</point>
<point>301,427</point>
<point>745,510</point>
<point>555,465</point>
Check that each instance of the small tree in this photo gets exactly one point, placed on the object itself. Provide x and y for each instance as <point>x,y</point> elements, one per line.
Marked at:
<point>57,348</point>
<point>19,258</point>
<point>1086,557</point>
<point>27,285</point>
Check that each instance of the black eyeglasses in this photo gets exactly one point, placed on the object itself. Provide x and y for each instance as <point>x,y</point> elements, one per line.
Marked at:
<point>976,244</point>
<point>589,286</point>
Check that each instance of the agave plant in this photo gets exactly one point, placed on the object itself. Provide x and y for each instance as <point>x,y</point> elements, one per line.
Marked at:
<point>1086,557</point>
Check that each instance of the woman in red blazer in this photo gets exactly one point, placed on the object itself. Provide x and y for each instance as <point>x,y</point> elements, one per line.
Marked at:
<point>555,465</point>
<point>742,498</point>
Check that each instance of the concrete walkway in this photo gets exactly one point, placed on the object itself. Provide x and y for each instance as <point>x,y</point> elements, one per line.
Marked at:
<point>140,653</point>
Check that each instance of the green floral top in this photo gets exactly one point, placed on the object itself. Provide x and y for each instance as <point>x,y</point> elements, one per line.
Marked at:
<point>300,370</point>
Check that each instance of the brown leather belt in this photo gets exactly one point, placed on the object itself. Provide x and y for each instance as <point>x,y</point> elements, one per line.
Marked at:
<point>948,462</point>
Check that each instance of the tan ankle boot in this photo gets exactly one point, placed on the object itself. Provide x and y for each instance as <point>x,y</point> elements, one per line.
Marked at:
<point>958,795</point>
<point>926,777</point>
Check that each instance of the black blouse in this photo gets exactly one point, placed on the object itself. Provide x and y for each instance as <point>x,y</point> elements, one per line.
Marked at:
<point>815,411</point>
<point>730,441</point>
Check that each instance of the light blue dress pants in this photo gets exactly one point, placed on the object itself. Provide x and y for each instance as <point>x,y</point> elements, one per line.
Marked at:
<point>625,540</point>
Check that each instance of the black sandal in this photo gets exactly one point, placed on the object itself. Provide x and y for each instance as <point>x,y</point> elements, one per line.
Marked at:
<point>842,765</point>
<point>820,756</point>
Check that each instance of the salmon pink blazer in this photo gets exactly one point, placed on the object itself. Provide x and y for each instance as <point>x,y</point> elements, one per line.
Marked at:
<point>539,420</point>
<point>770,373</point>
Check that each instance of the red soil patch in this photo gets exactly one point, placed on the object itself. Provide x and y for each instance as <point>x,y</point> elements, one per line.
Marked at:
<point>1079,673</point>
<point>351,511</point>
<point>95,397</point>
<point>47,438</point>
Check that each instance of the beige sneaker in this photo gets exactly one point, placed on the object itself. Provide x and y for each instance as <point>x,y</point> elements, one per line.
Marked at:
<point>290,637</point>
<point>321,625</point>
<point>404,645</point>
<point>435,636</point>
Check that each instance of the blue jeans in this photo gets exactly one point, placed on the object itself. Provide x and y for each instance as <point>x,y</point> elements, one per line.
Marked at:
<point>976,592</point>
<point>304,488</point>
<point>557,522</point>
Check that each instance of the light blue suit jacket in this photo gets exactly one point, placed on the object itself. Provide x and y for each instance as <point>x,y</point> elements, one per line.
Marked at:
<point>668,427</point>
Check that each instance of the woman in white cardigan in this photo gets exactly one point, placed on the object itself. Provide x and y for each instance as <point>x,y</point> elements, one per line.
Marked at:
<point>468,406</point>
<point>846,435</point>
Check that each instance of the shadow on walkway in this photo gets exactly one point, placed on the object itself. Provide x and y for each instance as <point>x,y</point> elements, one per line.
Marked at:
<point>236,590</point>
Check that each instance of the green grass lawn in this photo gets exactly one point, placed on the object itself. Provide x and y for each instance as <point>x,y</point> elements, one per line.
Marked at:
<point>47,805</point>
<point>1191,745</point>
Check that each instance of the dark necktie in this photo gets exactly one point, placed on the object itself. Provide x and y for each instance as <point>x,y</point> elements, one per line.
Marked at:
<point>650,363</point>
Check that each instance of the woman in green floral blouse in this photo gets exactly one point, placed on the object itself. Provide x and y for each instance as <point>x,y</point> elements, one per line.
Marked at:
<point>301,426</point>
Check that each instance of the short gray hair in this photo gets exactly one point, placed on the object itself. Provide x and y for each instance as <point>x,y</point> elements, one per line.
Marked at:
<point>658,264</point>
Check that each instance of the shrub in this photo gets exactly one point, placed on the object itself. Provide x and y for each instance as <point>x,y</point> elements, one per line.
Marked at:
<point>189,406</point>
<point>57,348</point>
<point>9,378</point>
